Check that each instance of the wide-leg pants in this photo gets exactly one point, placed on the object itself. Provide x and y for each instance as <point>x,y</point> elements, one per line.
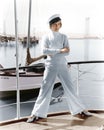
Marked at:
<point>42,103</point>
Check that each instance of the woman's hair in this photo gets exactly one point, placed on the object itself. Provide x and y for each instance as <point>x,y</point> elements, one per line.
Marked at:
<point>54,20</point>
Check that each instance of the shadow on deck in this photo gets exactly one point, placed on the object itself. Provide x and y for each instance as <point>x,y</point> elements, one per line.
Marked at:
<point>58,121</point>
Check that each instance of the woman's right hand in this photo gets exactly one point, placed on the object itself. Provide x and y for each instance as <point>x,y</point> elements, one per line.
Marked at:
<point>64,50</point>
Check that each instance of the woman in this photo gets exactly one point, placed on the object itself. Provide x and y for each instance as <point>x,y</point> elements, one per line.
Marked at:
<point>56,47</point>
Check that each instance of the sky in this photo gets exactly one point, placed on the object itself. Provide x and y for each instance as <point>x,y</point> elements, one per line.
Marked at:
<point>73,13</point>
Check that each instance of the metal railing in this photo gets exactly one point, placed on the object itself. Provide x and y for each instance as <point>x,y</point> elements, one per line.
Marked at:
<point>78,63</point>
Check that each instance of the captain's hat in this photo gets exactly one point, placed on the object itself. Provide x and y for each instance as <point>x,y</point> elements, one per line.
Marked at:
<point>54,18</point>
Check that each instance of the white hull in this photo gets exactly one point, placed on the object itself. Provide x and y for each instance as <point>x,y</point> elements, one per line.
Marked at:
<point>28,80</point>
<point>8,82</point>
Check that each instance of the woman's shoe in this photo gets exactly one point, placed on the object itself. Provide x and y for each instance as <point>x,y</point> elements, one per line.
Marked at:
<point>83,115</point>
<point>86,113</point>
<point>80,116</point>
<point>33,119</point>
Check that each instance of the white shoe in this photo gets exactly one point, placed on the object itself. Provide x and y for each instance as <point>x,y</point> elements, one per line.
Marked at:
<point>34,119</point>
<point>87,113</point>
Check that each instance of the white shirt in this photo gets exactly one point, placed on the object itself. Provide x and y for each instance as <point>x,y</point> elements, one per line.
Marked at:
<point>52,43</point>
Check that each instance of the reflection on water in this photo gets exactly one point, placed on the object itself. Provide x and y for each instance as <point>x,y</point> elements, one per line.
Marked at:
<point>8,54</point>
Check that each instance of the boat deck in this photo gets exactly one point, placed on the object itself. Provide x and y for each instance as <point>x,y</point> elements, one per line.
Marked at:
<point>60,121</point>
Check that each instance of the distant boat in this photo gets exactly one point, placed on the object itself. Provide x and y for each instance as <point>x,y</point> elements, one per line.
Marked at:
<point>32,40</point>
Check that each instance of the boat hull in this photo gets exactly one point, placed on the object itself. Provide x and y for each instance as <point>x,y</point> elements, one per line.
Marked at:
<point>26,81</point>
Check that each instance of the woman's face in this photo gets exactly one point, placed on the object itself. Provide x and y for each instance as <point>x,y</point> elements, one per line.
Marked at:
<point>56,26</point>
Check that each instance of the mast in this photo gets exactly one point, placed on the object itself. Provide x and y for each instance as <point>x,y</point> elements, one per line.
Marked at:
<point>17,66</point>
<point>28,35</point>
<point>4,28</point>
<point>29,24</point>
<point>86,46</point>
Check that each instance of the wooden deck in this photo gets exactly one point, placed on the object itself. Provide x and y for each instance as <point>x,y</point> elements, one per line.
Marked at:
<point>60,121</point>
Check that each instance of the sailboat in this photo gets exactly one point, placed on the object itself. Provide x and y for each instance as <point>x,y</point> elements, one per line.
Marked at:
<point>29,76</point>
<point>27,80</point>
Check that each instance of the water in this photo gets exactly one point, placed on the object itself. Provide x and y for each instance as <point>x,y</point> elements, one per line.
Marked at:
<point>91,76</point>
<point>81,50</point>
<point>8,54</point>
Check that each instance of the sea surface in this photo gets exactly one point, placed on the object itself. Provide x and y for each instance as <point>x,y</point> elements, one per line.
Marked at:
<point>80,50</point>
<point>91,77</point>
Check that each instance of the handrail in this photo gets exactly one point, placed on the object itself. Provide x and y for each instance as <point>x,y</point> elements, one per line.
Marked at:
<point>86,62</point>
<point>37,65</point>
<point>22,67</point>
